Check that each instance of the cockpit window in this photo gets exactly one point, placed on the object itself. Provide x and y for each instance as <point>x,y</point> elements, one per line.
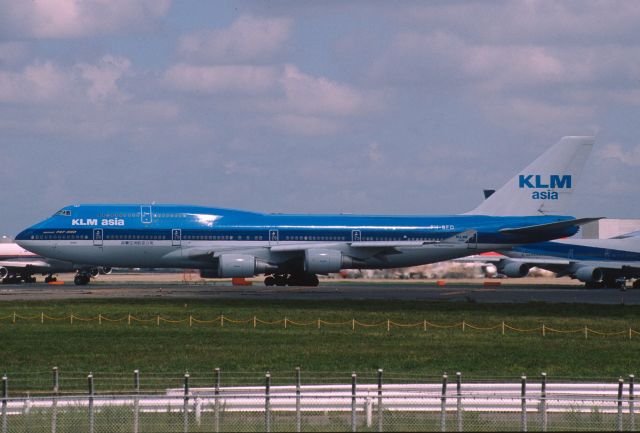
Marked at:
<point>63,212</point>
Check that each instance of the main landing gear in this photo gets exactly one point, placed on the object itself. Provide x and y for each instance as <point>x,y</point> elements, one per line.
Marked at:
<point>82,279</point>
<point>19,279</point>
<point>305,280</point>
<point>50,279</point>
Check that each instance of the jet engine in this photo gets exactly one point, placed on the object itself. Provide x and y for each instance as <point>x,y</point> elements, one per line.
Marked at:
<point>515,270</point>
<point>105,270</point>
<point>94,272</point>
<point>317,261</point>
<point>238,266</point>
<point>588,274</point>
<point>3,273</point>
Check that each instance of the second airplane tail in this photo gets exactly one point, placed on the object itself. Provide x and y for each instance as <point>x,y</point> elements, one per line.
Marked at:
<point>545,186</point>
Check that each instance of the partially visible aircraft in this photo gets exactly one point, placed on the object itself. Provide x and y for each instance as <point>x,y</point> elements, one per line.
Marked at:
<point>598,263</point>
<point>293,249</point>
<point>18,265</point>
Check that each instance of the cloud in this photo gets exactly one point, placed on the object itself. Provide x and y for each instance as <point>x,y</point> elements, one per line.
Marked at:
<point>317,95</point>
<point>614,151</point>
<point>221,79</point>
<point>103,77</point>
<point>77,18</point>
<point>581,22</point>
<point>248,39</point>
<point>36,83</point>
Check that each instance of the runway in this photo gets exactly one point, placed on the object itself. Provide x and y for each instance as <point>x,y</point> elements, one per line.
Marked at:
<point>452,291</point>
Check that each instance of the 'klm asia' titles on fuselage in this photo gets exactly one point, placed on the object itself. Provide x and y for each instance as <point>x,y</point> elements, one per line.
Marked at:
<point>94,222</point>
<point>555,181</point>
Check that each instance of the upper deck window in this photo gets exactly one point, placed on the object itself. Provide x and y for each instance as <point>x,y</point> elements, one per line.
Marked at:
<point>64,212</point>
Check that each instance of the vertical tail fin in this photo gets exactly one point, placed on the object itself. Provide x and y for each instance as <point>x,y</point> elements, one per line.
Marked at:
<point>544,187</point>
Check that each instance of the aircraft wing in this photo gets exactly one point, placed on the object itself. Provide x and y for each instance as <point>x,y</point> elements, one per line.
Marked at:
<point>365,247</point>
<point>529,230</point>
<point>606,264</point>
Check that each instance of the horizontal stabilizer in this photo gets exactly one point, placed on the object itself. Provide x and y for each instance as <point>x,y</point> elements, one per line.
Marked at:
<point>549,226</point>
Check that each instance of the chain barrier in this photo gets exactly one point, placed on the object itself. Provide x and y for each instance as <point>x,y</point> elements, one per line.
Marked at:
<point>543,329</point>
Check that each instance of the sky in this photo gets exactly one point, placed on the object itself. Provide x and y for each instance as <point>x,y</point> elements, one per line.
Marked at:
<point>311,107</point>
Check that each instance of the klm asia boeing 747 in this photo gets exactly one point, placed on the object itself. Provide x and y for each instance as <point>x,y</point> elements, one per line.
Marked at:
<point>293,249</point>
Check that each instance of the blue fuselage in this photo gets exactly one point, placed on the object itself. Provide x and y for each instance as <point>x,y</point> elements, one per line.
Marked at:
<point>189,236</point>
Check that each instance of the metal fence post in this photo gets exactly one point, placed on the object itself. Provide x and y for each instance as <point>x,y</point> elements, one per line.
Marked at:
<point>91,392</point>
<point>543,401</point>
<point>5,396</point>
<point>216,404</point>
<point>54,405</point>
<point>267,402</point>
<point>459,400</point>
<point>185,407</point>
<point>632,415</point>
<point>379,399</point>
<point>56,380</point>
<point>298,414</point>
<point>619,417</point>
<point>523,403</point>
<point>136,402</point>
<point>353,402</point>
<point>443,404</point>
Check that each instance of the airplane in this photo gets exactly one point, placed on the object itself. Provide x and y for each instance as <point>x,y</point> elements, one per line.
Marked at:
<point>18,265</point>
<point>294,249</point>
<point>598,263</point>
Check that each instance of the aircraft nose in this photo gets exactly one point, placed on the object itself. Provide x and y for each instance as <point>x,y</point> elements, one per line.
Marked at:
<point>24,235</point>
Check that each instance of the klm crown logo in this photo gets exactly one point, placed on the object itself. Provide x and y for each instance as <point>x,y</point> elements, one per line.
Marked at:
<point>538,182</point>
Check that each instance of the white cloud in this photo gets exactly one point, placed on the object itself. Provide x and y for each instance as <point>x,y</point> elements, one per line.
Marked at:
<point>221,79</point>
<point>317,95</point>
<point>580,22</point>
<point>103,77</point>
<point>617,152</point>
<point>36,83</point>
<point>76,18</point>
<point>247,39</point>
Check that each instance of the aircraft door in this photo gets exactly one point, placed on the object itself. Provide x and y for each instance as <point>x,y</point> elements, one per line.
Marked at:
<point>145,214</point>
<point>356,236</point>
<point>98,235</point>
<point>176,237</point>
<point>273,237</point>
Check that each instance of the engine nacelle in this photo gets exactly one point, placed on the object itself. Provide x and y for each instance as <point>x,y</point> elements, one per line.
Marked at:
<point>3,273</point>
<point>317,261</point>
<point>241,265</point>
<point>514,270</point>
<point>105,270</point>
<point>94,272</point>
<point>588,274</point>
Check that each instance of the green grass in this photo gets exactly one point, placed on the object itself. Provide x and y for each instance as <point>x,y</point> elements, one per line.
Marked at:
<point>28,349</point>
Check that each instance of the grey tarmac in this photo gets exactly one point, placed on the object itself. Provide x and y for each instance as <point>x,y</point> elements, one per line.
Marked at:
<point>547,290</point>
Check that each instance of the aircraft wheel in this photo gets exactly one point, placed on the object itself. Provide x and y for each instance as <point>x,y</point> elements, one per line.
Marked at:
<point>312,280</point>
<point>81,280</point>
<point>269,281</point>
<point>50,279</point>
<point>636,284</point>
<point>281,280</point>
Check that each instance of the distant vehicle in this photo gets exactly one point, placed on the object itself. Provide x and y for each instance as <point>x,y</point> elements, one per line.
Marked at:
<point>596,262</point>
<point>18,265</point>
<point>293,249</point>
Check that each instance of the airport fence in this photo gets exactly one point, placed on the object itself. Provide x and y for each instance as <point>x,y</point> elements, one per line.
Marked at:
<point>286,323</point>
<point>361,405</point>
